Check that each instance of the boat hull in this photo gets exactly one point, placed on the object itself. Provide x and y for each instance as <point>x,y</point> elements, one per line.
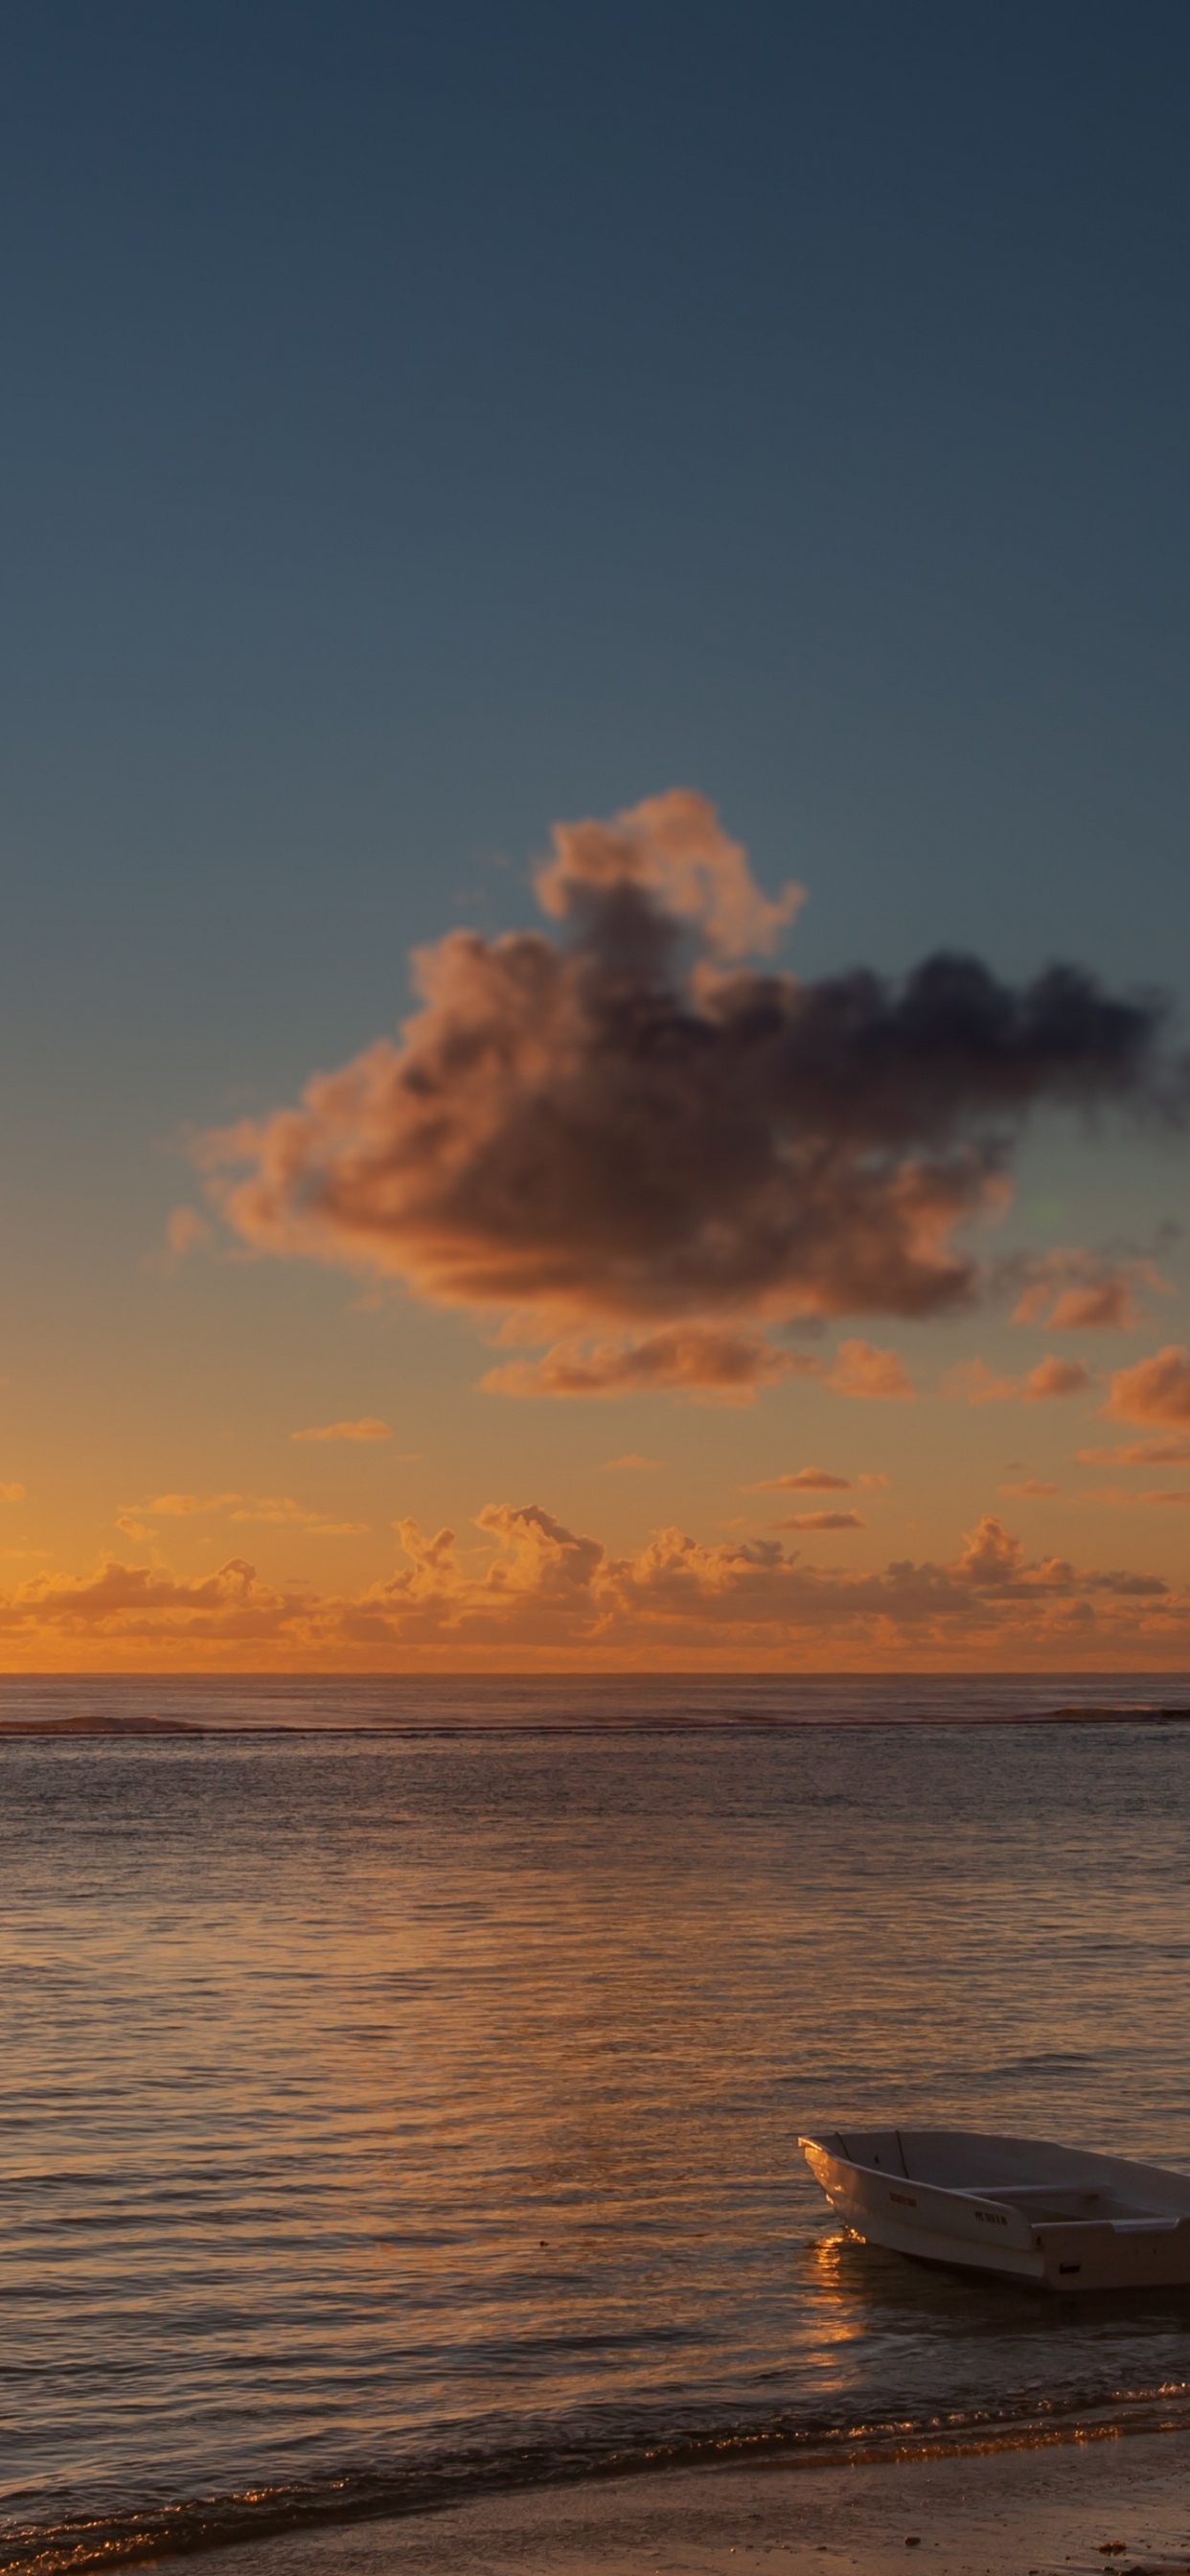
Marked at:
<point>1059,2218</point>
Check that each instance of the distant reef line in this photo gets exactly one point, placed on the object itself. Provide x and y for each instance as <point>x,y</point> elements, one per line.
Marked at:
<point>1088,1713</point>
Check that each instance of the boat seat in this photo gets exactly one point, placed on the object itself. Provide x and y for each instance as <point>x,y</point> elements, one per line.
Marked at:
<point>1053,2205</point>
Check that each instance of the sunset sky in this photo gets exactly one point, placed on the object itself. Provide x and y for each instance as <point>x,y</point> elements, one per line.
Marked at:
<point>556,562</point>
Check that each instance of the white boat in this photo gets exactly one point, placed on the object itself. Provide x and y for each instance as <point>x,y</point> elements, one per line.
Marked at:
<point>1018,2207</point>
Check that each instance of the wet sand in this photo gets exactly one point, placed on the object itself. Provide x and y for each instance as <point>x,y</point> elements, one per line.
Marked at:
<point>1121,2503</point>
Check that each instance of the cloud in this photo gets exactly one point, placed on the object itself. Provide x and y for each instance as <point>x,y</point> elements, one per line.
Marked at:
<point>672,852</point>
<point>186,1231</point>
<point>974,1383</point>
<point>860,1370</point>
<point>1071,1290</point>
<point>1121,1501</point>
<point>279,1510</point>
<point>138,1599</point>
<point>1156,1390</point>
<point>12,1493</point>
<point>619,1126</point>
<point>808,1480</point>
<point>631,1461</point>
<point>1032,1489</point>
<point>1055,1377</point>
<point>1140,1453</point>
<point>367,1428</point>
<point>698,1359</point>
<point>821,1521</point>
<point>525,1590</point>
<point>712,1362</point>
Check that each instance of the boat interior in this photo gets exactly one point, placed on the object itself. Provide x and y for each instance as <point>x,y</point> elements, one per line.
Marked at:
<point>1048,2184</point>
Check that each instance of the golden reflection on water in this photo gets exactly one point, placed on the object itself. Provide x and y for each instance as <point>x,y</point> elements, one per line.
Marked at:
<point>363,2101</point>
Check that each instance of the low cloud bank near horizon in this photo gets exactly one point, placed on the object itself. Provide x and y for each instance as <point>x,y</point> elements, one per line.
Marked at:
<point>526,1585</point>
<point>627,1125</point>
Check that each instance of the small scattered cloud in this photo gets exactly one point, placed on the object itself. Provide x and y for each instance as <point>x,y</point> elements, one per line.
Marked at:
<point>12,1493</point>
<point>1071,1290</point>
<point>630,1463</point>
<point>1054,1377</point>
<point>1032,1489</point>
<point>817,1480</point>
<point>714,1363</point>
<point>807,1480</point>
<point>1140,1453</point>
<point>1155,1390</point>
<point>704,1360</point>
<point>972,1382</point>
<point>821,1521</point>
<point>186,1231</point>
<point>861,1370</point>
<point>279,1511</point>
<point>368,1427</point>
<point>1118,1499</point>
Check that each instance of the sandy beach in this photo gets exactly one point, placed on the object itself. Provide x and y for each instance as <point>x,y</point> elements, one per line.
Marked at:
<point>1121,2502</point>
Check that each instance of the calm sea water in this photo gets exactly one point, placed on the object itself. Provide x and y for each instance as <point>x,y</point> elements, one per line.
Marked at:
<point>383,2112</point>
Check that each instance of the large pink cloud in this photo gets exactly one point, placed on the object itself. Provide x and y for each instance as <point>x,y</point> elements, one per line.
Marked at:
<point>621,1125</point>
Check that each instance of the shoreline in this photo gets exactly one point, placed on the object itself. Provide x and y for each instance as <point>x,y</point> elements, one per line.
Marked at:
<point>1120,2500</point>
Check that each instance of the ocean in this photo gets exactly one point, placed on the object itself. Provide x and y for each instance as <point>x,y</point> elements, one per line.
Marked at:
<point>402,2079</point>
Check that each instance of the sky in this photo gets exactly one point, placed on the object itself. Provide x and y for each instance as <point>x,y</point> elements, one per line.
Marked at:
<point>553,561</point>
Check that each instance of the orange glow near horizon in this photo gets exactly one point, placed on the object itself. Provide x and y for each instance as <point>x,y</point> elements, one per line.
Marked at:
<point>753,1211</point>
